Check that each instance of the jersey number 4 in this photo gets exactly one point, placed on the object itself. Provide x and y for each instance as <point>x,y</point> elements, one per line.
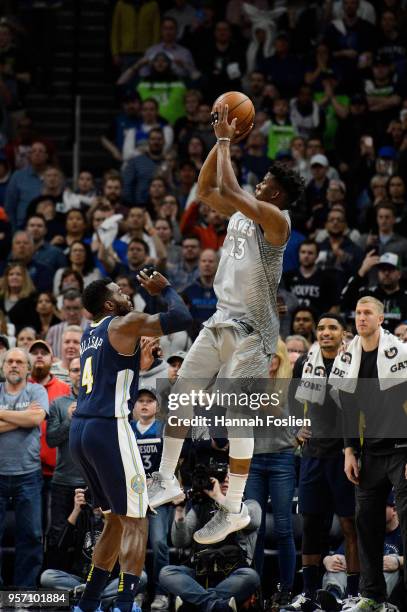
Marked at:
<point>237,251</point>
<point>87,376</point>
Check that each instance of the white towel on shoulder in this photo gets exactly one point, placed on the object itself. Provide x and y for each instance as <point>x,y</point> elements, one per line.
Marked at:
<point>312,386</point>
<point>391,363</point>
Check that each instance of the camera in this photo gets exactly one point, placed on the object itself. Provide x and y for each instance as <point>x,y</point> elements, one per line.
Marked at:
<point>201,479</point>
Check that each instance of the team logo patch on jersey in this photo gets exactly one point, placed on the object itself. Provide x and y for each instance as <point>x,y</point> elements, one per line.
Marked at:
<point>137,484</point>
<point>391,353</point>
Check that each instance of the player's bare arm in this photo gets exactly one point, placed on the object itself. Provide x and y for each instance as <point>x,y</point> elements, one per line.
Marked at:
<point>266,214</point>
<point>208,190</point>
<point>124,332</point>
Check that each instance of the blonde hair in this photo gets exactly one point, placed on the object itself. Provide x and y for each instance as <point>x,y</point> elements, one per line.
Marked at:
<point>28,287</point>
<point>284,369</point>
<point>369,299</point>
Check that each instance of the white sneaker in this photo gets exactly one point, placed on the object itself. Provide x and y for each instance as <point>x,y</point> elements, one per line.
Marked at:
<point>232,604</point>
<point>221,524</point>
<point>364,604</point>
<point>162,490</point>
<point>161,602</point>
<point>140,599</point>
<point>178,603</point>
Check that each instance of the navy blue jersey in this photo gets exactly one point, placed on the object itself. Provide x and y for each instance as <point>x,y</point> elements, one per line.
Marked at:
<point>150,445</point>
<point>109,380</point>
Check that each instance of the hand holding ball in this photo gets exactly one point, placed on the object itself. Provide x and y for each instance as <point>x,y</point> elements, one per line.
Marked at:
<point>240,108</point>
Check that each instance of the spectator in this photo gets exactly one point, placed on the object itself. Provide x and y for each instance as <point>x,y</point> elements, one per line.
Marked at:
<point>25,337</point>
<point>17,295</point>
<point>185,273</point>
<point>18,149</point>
<point>79,259</point>
<point>305,114</point>
<point>71,340</point>
<point>196,151</point>
<point>139,226</point>
<point>387,240</point>
<point>5,175</point>
<point>70,279</point>
<point>134,29</point>
<point>279,129</point>
<point>25,185</point>
<point>44,252</point>
<point>186,124</point>
<point>200,295</point>
<point>316,189</point>
<point>382,105</point>
<point>388,289</point>
<point>304,322</point>
<point>255,160</point>
<point>22,251</point>
<point>148,429</point>
<point>46,206</point>
<point>184,15</point>
<point>75,230</point>
<point>156,193</point>
<point>175,361</point>
<point>390,42</point>
<point>152,367</point>
<point>296,346</point>
<point>46,309</point>
<point>123,122</point>
<point>135,141</point>
<point>72,314</point>
<point>24,407</point>
<point>170,210</point>
<point>164,232</point>
<point>209,228</point>
<point>312,286</point>
<point>396,190</point>
<point>186,184</point>
<point>255,89</point>
<point>142,169</point>
<point>287,69</point>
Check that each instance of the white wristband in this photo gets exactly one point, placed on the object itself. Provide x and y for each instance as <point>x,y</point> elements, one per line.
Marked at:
<point>224,139</point>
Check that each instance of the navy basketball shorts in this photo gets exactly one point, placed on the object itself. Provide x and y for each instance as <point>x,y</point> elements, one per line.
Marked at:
<point>106,452</point>
<point>324,487</point>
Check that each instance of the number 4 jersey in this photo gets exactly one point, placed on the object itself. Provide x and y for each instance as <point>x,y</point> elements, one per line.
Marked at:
<point>109,380</point>
<point>247,280</point>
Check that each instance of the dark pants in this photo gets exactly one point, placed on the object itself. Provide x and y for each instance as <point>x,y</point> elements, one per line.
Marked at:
<point>62,503</point>
<point>25,492</point>
<point>377,476</point>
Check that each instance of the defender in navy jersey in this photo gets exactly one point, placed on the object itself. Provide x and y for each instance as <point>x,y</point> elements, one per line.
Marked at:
<point>102,442</point>
<point>239,340</point>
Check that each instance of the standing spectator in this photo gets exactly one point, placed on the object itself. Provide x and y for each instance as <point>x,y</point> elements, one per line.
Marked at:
<point>66,477</point>
<point>286,68</point>
<point>387,240</point>
<point>141,170</point>
<point>71,340</point>
<point>383,95</point>
<point>201,296</point>
<point>138,224</point>
<point>305,114</point>
<point>80,259</point>
<point>72,313</point>
<point>44,253</point>
<point>187,271</point>
<point>278,129</point>
<point>25,185</point>
<point>135,140</point>
<point>184,15</point>
<point>23,408</point>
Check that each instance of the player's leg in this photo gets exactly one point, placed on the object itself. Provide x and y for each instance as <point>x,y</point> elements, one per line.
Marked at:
<point>200,366</point>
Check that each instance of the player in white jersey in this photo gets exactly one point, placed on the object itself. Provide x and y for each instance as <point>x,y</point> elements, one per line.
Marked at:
<point>239,340</point>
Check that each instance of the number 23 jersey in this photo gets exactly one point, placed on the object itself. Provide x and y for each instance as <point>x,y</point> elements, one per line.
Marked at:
<point>247,280</point>
<point>109,380</point>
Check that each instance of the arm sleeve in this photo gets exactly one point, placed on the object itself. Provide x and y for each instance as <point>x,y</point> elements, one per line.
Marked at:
<point>178,317</point>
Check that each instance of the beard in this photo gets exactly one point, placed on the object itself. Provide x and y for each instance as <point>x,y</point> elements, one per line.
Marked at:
<point>14,379</point>
<point>40,372</point>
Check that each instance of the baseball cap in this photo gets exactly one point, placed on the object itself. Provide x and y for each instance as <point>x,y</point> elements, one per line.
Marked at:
<point>40,343</point>
<point>387,152</point>
<point>177,355</point>
<point>319,160</point>
<point>389,259</point>
<point>4,341</point>
<point>150,390</point>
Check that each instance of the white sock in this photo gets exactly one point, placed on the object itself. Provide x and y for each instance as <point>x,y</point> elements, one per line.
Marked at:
<point>171,451</point>
<point>234,495</point>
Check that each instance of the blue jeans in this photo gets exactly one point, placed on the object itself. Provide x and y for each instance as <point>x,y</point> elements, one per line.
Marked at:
<point>180,580</point>
<point>273,474</point>
<point>158,534</point>
<point>57,579</point>
<point>25,491</point>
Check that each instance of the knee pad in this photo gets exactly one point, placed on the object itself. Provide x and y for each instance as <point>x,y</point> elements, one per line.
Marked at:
<point>311,534</point>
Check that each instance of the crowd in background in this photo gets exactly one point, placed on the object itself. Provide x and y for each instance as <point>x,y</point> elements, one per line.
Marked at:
<point>329,84</point>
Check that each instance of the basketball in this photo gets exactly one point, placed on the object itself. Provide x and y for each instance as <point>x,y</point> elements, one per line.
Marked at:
<point>241,107</point>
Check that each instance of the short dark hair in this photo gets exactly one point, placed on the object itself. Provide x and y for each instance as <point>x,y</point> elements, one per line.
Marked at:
<point>142,242</point>
<point>304,309</point>
<point>36,216</point>
<point>290,181</point>
<point>386,206</point>
<point>95,295</point>
<point>332,315</point>
<point>309,241</point>
<point>157,130</point>
<point>71,294</point>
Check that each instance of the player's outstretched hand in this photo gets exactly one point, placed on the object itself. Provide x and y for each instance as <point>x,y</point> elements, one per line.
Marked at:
<point>154,284</point>
<point>221,126</point>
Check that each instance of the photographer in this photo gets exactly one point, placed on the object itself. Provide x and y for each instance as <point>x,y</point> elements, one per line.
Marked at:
<point>82,529</point>
<point>215,577</point>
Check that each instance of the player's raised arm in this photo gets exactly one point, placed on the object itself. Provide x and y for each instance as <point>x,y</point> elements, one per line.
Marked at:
<point>279,188</point>
<point>208,190</point>
<point>130,327</point>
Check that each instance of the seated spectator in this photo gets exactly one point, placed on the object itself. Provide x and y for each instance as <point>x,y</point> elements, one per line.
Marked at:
<point>388,289</point>
<point>18,149</point>
<point>24,408</point>
<point>17,296</point>
<point>278,129</point>
<point>312,286</point>
<point>185,16</point>
<point>164,232</point>
<point>375,194</point>
<point>186,124</point>
<point>53,183</point>
<point>286,68</point>
<point>141,170</point>
<point>202,128</point>
<point>305,114</point>
<point>383,94</point>
<point>321,65</point>
<point>396,192</point>
<point>351,127</point>
<point>112,193</point>
<point>139,226</point>
<point>76,227</point>
<point>46,206</point>
<point>185,184</point>
<point>70,344</point>
<point>80,259</point>
<point>304,322</point>
<point>391,42</point>
<point>175,361</point>
<point>44,252</point>
<point>81,531</point>
<point>47,313</point>
<point>296,346</point>
<point>129,288</point>
<point>170,211</point>
<point>187,271</point>
<point>22,250</point>
<point>135,140</point>
<point>156,192</point>
<point>196,152</point>
<point>255,161</point>
<point>207,225</point>
<point>70,279</point>
<point>209,579</point>
<point>25,337</point>
<point>25,185</point>
<point>201,296</point>
<point>317,187</point>
<point>72,314</point>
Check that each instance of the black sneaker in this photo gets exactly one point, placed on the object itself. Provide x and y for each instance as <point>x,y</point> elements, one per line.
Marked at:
<point>302,603</point>
<point>280,599</point>
<point>328,601</point>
